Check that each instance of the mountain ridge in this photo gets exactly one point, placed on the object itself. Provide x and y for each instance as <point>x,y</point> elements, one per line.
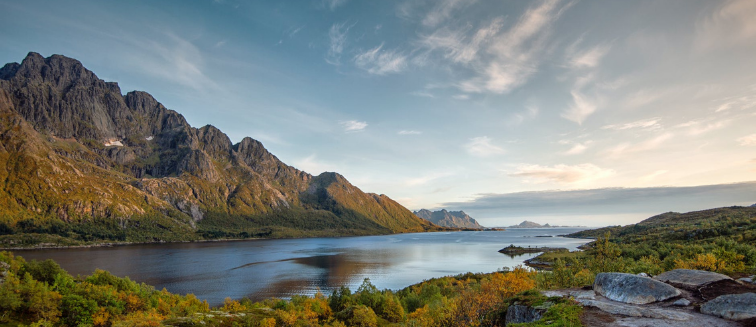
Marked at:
<point>142,161</point>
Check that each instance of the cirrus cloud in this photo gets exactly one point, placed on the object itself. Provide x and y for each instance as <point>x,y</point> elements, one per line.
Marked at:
<point>563,174</point>
<point>482,147</point>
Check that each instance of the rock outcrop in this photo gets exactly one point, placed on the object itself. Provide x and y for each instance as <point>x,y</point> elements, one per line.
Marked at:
<point>690,279</point>
<point>517,313</point>
<point>629,288</point>
<point>732,306</point>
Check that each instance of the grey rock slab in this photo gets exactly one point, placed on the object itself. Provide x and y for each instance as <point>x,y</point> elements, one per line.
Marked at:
<point>636,310</point>
<point>748,280</point>
<point>690,279</point>
<point>732,306</point>
<point>629,288</point>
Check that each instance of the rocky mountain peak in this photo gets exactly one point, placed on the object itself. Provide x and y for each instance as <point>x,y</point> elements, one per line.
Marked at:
<point>447,218</point>
<point>78,150</point>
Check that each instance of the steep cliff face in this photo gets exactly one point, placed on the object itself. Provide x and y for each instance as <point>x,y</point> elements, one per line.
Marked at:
<point>458,219</point>
<point>74,149</point>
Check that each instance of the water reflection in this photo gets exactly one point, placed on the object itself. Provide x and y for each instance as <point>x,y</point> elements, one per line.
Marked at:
<point>280,268</point>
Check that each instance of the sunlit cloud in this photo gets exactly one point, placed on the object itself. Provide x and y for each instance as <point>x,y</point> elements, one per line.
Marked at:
<point>588,58</point>
<point>353,125</point>
<point>749,140</point>
<point>577,148</point>
<point>582,107</point>
<point>651,123</point>
<point>563,174</point>
<point>482,146</point>
<point>409,132</point>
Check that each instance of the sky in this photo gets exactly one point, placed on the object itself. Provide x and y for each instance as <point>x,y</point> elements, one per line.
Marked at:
<point>568,112</point>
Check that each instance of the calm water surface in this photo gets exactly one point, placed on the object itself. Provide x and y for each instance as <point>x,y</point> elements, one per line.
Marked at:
<point>280,268</point>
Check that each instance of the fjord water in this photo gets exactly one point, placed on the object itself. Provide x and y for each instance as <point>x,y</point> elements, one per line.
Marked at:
<point>261,269</point>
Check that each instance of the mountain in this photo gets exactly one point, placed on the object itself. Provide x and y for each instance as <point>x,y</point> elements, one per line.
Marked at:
<point>528,224</point>
<point>81,162</point>
<point>458,219</point>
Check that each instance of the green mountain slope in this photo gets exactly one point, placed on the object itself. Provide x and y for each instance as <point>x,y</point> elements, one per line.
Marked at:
<point>81,162</point>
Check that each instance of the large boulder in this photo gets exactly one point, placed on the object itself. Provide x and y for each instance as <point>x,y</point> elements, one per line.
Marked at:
<point>732,306</point>
<point>629,288</point>
<point>690,279</point>
<point>518,313</point>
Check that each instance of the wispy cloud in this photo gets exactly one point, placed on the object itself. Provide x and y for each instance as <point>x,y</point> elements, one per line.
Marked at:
<point>697,127</point>
<point>482,146</point>
<point>651,123</point>
<point>423,94</point>
<point>333,4</point>
<point>427,178</point>
<point>517,51</point>
<point>588,58</point>
<point>512,56</point>
<point>749,140</point>
<point>337,36</point>
<point>353,125</point>
<point>577,148</point>
<point>582,107</point>
<point>563,174</point>
<point>456,45</point>
<point>409,132</point>
<point>628,148</point>
<point>381,62</point>
<point>461,96</point>
<point>732,23</point>
<point>443,10</point>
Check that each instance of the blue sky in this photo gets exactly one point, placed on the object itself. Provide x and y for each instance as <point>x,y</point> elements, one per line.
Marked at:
<point>484,106</point>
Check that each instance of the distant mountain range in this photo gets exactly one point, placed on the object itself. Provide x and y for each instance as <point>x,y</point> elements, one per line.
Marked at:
<point>80,162</point>
<point>457,219</point>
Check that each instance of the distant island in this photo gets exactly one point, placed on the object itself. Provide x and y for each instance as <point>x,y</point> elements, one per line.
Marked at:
<point>444,218</point>
<point>530,224</point>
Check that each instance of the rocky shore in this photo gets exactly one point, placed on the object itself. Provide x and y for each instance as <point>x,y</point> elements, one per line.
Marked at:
<point>680,298</point>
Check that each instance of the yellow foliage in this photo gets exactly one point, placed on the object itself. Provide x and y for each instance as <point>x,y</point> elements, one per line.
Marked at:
<point>149,318</point>
<point>232,306</point>
<point>101,318</point>
<point>133,303</point>
<point>267,322</point>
